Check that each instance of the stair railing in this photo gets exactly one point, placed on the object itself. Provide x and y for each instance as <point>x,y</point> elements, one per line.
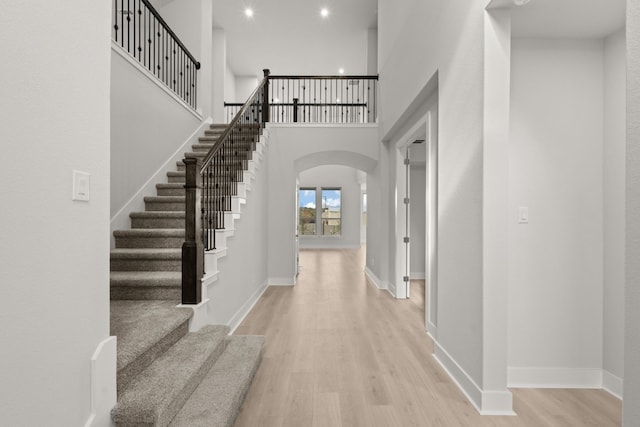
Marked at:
<point>320,99</point>
<point>210,185</point>
<point>139,29</point>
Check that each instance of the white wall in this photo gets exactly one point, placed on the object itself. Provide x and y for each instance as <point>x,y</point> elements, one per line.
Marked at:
<point>294,148</point>
<point>219,68</point>
<point>336,177</point>
<point>183,17</point>
<point>245,85</point>
<point>55,251</point>
<point>243,271</point>
<point>372,51</point>
<point>631,410</point>
<point>147,126</point>
<point>613,191</point>
<point>229,85</point>
<point>192,22</point>
<point>418,39</point>
<point>556,169</point>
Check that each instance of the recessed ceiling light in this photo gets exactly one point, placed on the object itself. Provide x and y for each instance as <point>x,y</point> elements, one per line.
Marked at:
<point>324,12</point>
<point>341,70</point>
<point>520,2</point>
<point>248,12</point>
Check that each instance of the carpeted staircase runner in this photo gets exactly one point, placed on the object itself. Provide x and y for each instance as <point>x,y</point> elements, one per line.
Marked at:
<point>166,374</point>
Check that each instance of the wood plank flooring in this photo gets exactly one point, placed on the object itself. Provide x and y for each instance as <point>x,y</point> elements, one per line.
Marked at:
<point>340,352</point>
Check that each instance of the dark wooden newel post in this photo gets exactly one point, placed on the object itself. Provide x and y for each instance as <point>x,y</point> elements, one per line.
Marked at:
<point>192,249</point>
<point>265,99</point>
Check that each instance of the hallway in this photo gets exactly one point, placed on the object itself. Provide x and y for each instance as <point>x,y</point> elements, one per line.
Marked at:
<point>340,352</point>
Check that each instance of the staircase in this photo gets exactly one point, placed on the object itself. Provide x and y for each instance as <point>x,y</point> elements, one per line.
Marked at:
<point>167,375</point>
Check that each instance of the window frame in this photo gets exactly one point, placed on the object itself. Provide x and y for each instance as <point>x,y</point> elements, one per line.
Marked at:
<point>319,210</point>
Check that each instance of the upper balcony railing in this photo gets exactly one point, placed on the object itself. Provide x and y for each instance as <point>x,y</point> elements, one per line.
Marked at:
<point>140,30</point>
<point>319,99</point>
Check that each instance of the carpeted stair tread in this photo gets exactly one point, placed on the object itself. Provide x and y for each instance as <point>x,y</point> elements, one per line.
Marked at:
<point>150,232</point>
<point>145,329</point>
<point>157,219</point>
<point>146,285</point>
<point>155,396</point>
<point>158,214</point>
<point>146,278</point>
<point>218,399</point>
<point>146,253</point>
<point>168,199</point>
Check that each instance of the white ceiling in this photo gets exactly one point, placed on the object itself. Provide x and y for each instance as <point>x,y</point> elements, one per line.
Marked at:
<point>290,37</point>
<point>565,18</point>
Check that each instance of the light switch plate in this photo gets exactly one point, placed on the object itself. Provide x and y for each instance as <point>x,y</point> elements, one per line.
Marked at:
<point>523,215</point>
<point>81,186</point>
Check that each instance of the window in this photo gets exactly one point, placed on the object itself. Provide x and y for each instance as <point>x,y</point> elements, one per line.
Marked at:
<point>329,216</point>
<point>331,212</point>
<point>307,212</point>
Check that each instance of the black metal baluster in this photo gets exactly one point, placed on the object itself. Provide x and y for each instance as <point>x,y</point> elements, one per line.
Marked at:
<point>133,13</point>
<point>115,19</point>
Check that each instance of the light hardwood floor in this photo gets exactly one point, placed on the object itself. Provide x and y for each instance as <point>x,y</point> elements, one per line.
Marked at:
<point>340,352</point>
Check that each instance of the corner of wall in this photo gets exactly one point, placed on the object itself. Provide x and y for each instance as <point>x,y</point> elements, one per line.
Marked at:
<point>486,402</point>
<point>103,383</point>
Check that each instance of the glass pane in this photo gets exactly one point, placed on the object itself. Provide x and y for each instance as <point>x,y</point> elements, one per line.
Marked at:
<point>307,212</point>
<point>331,212</point>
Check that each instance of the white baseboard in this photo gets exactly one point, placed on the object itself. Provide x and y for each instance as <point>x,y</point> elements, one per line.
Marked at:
<point>536,377</point>
<point>237,318</point>
<point>375,279</point>
<point>103,383</point>
<point>281,281</point>
<point>613,384</point>
<point>492,402</point>
<point>417,276</point>
<point>120,221</point>
<point>432,330</point>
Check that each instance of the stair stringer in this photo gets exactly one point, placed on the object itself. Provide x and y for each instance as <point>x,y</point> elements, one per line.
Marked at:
<point>216,308</point>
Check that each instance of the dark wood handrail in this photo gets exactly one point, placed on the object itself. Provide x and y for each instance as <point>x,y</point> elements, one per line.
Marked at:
<point>207,160</point>
<point>170,31</point>
<point>338,77</point>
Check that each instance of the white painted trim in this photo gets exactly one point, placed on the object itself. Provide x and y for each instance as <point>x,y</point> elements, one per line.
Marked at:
<point>210,278</point>
<point>432,330</point>
<point>418,276</point>
<point>103,383</point>
<point>374,279</point>
<point>537,377</point>
<point>486,402</point>
<point>120,221</point>
<point>200,314</point>
<point>124,54</point>
<point>612,384</point>
<point>464,382</point>
<point>391,287</point>
<point>281,281</point>
<point>246,308</point>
